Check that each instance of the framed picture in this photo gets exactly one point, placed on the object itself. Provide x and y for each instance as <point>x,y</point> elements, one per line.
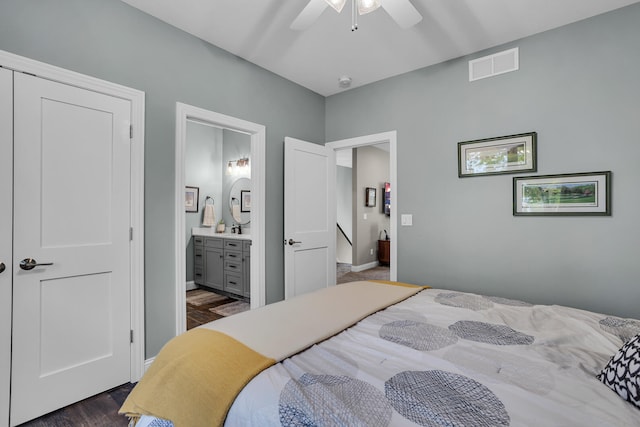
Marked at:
<point>245,201</point>
<point>191,198</point>
<point>370,197</point>
<point>387,199</point>
<point>567,194</point>
<point>492,156</point>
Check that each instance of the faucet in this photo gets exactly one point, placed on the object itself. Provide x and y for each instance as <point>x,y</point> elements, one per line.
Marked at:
<point>236,229</point>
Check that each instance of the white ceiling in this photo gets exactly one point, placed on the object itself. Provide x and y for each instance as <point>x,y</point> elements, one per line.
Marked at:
<point>258,31</point>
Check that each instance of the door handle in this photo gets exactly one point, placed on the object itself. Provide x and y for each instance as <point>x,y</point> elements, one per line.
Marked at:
<point>293,242</point>
<point>2,267</point>
<point>30,264</point>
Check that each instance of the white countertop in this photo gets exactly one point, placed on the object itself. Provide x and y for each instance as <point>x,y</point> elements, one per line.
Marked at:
<point>211,232</point>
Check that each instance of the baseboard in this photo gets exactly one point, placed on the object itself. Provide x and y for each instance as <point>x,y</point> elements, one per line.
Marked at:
<point>358,268</point>
<point>148,362</point>
<point>191,285</point>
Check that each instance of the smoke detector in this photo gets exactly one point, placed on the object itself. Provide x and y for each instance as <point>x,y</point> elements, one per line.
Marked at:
<point>344,82</point>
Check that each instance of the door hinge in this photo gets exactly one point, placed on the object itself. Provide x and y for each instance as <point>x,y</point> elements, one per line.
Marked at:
<point>130,131</point>
<point>131,336</point>
<point>130,234</point>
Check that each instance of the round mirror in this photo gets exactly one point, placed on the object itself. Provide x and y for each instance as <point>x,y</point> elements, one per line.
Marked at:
<point>240,201</point>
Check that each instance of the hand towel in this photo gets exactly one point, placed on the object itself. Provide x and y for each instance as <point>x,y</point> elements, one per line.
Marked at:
<point>209,217</point>
<point>235,213</point>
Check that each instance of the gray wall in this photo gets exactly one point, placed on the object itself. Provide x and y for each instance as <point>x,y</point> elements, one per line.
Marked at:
<point>236,145</point>
<point>577,87</point>
<point>344,199</point>
<point>344,217</point>
<point>110,40</point>
<point>203,169</point>
<point>371,169</point>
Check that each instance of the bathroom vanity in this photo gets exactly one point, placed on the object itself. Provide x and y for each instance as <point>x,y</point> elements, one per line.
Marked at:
<point>222,261</point>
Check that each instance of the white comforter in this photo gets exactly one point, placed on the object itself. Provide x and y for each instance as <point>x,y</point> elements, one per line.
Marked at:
<point>445,358</point>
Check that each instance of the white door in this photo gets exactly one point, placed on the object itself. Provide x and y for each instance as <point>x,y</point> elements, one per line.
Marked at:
<point>71,315</point>
<point>309,224</point>
<point>6,185</point>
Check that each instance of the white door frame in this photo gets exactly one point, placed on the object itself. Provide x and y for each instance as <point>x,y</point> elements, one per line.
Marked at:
<point>257,133</point>
<point>362,141</point>
<point>6,233</point>
<point>137,99</point>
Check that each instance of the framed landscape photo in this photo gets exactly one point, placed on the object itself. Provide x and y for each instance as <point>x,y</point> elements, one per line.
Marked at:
<point>500,155</point>
<point>586,193</point>
<point>191,199</point>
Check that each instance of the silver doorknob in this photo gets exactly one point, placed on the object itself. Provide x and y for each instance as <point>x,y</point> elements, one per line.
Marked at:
<point>2,267</point>
<point>293,242</point>
<point>30,264</point>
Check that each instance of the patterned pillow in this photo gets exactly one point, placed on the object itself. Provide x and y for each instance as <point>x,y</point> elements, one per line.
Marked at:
<point>622,373</point>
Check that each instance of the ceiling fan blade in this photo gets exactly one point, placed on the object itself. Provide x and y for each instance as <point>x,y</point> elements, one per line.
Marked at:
<point>403,12</point>
<point>309,14</point>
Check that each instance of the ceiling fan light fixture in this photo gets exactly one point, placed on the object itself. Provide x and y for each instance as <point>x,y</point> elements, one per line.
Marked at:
<point>336,4</point>
<point>366,6</point>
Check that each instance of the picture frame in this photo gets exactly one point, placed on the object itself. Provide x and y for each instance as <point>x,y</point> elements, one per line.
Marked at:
<point>573,194</point>
<point>370,197</point>
<point>387,199</point>
<point>245,201</point>
<point>500,155</point>
<point>191,199</point>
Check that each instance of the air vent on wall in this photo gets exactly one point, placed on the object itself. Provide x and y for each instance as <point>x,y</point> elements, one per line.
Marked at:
<point>493,65</point>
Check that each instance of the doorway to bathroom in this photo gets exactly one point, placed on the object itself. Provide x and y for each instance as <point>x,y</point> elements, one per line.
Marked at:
<point>240,158</point>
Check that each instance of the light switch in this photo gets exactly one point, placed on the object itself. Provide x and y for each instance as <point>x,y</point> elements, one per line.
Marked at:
<point>364,216</point>
<point>406,219</point>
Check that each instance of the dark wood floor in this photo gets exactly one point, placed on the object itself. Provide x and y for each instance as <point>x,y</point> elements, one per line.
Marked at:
<point>199,315</point>
<point>97,411</point>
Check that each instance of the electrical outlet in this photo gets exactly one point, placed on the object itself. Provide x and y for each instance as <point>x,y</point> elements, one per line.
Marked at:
<point>371,252</point>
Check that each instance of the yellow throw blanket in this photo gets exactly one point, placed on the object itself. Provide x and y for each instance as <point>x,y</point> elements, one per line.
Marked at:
<point>196,376</point>
<point>195,379</point>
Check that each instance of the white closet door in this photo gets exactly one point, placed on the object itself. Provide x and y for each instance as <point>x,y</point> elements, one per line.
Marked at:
<point>71,319</point>
<point>6,185</point>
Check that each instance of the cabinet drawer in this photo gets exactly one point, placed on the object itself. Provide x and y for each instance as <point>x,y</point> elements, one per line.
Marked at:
<point>233,244</point>
<point>198,277</point>
<point>233,283</point>
<point>246,246</point>
<point>198,256</point>
<point>213,242</point>
<point>235,266</point>
<point>233,255</point>
<point>198,240</point>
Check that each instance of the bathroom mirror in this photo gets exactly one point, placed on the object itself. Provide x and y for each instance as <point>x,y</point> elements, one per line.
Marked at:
<point>240,201</point>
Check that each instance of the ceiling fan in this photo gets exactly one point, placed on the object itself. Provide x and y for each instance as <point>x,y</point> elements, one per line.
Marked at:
<point>402,11</point>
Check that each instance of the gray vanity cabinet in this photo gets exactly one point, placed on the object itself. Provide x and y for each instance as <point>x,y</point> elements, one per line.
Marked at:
<point>246,268</point>
<point>213,263</point>
<point>223,264</point>
<point>233,266</point>
<point>198,260</point>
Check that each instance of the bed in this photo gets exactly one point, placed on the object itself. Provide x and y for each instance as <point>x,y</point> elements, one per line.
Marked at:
<point>390,354</point>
